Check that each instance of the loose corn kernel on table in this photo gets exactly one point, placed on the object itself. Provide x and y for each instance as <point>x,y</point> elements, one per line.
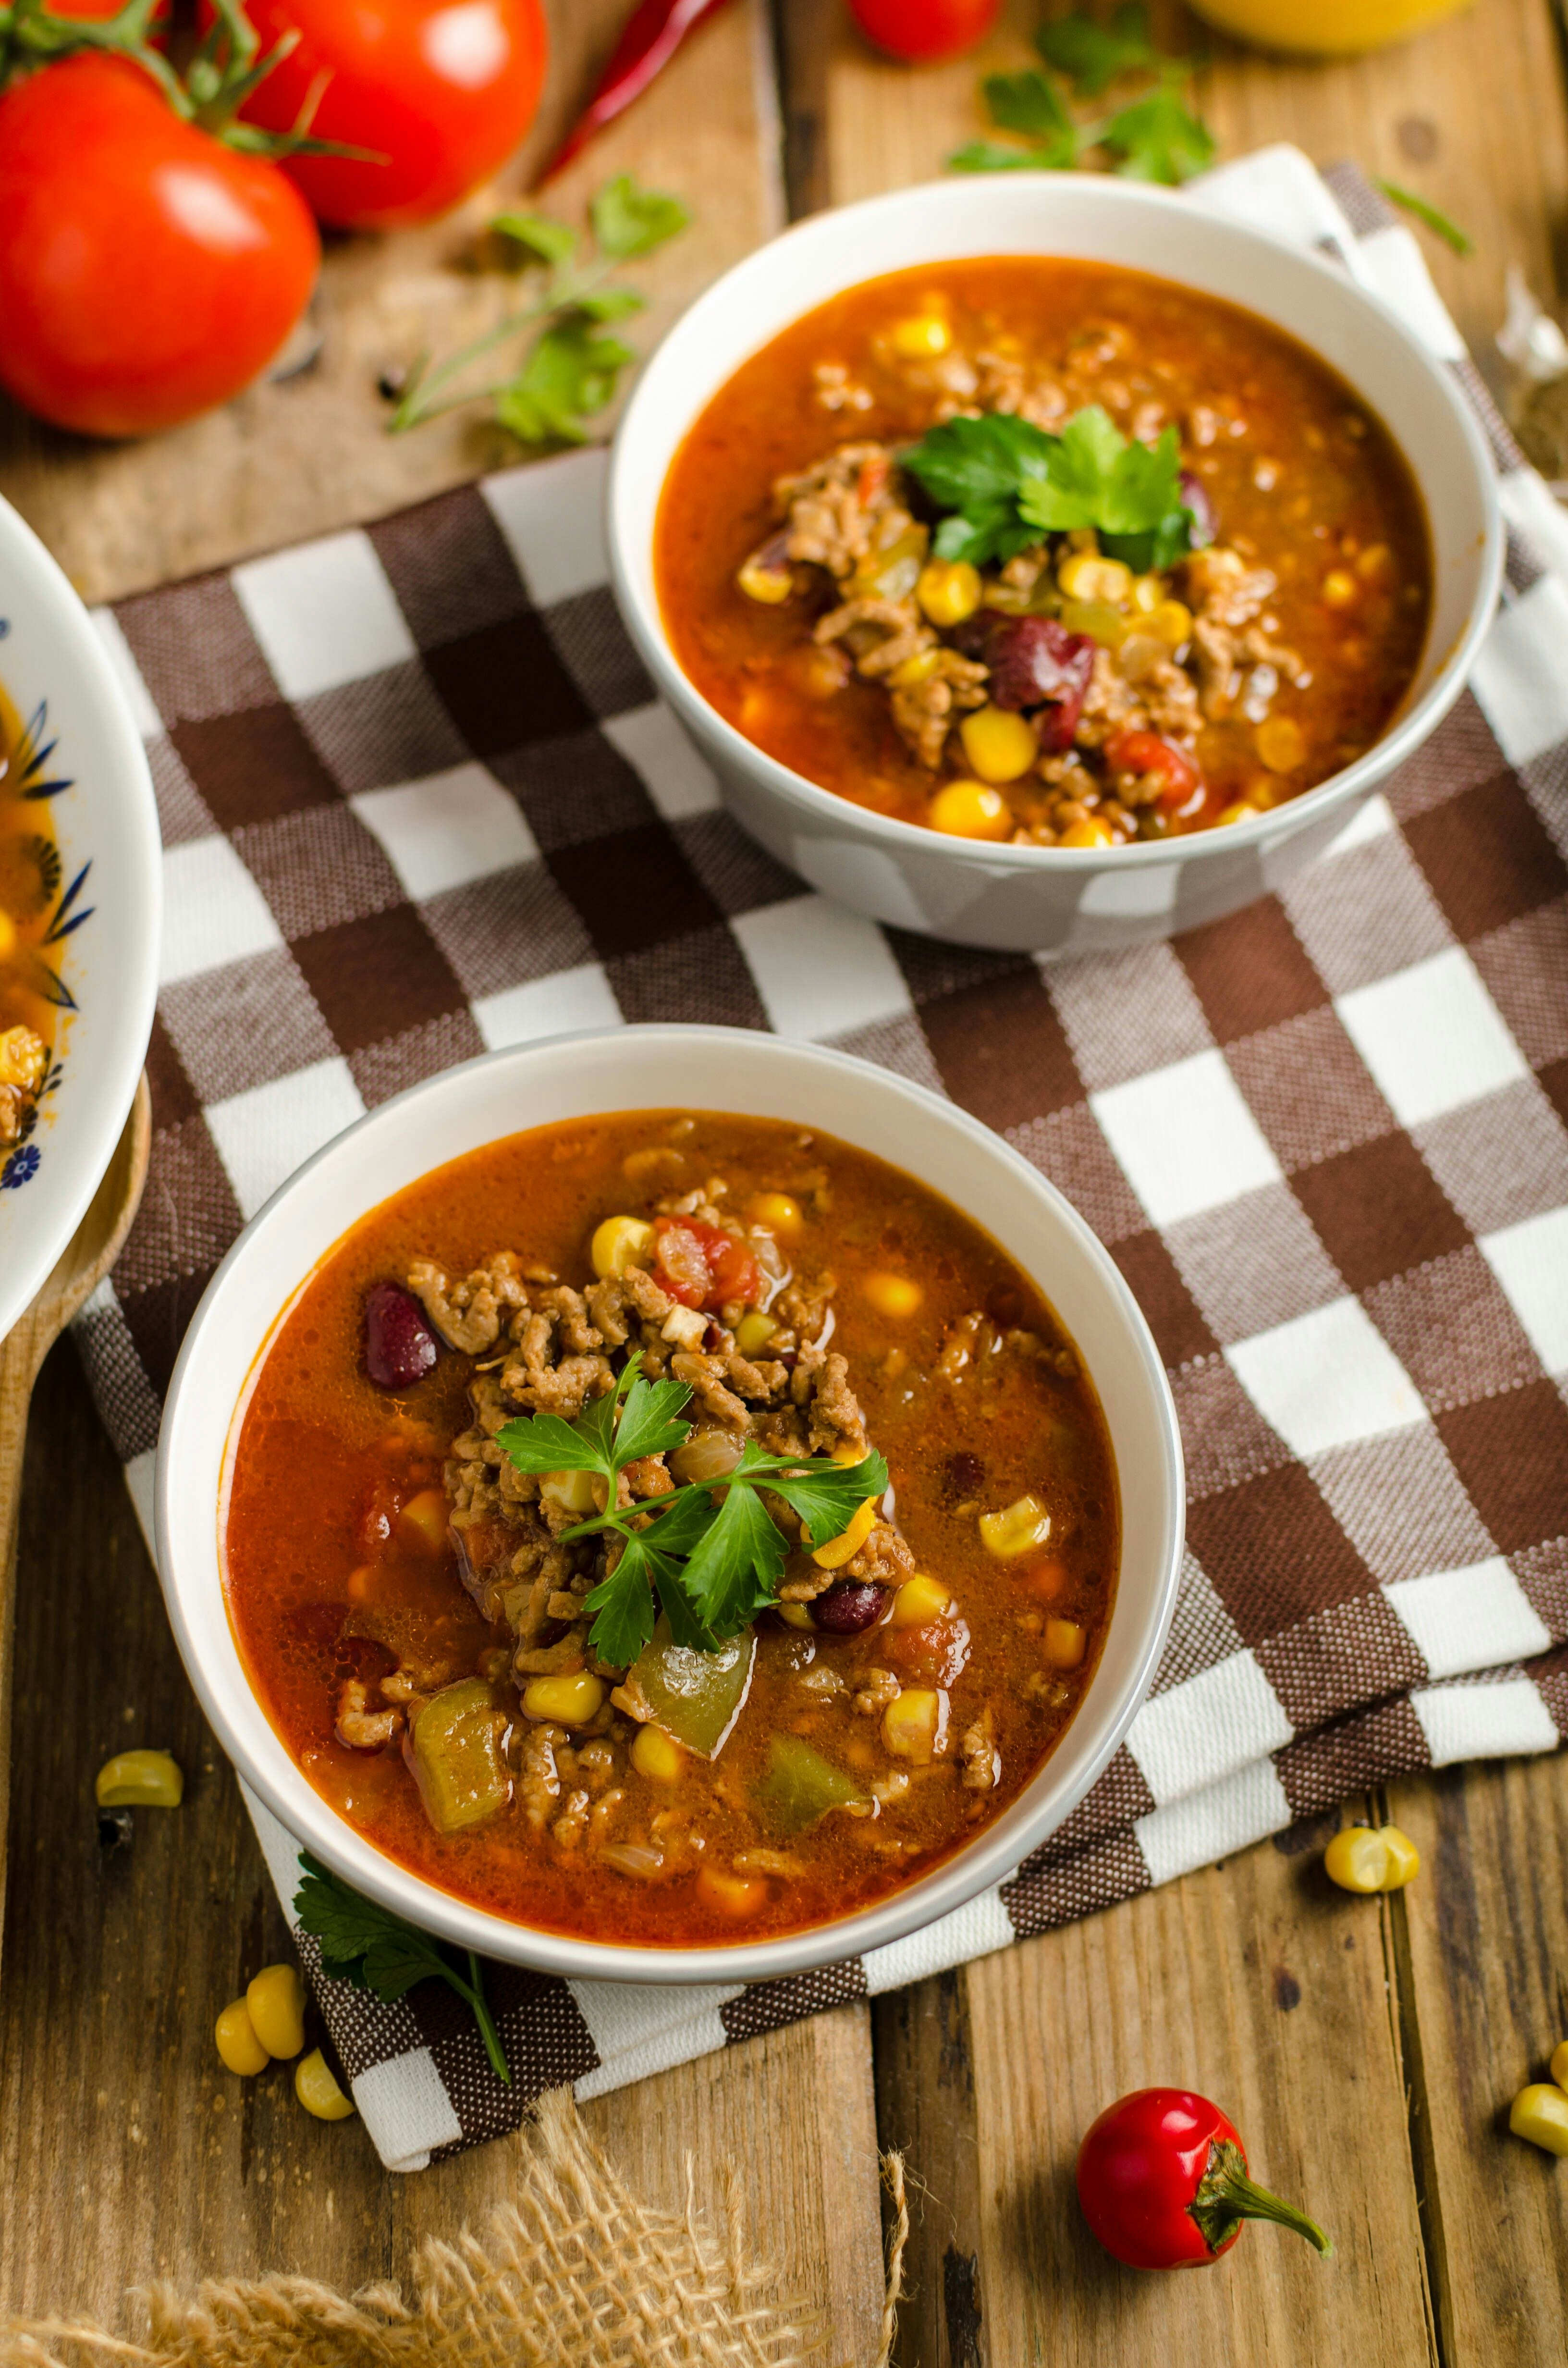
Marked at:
<point>1368,2048</point>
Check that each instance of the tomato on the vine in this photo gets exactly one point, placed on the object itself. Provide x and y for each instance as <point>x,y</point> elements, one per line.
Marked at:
<point>440,90</point>
<point>922,30</point>
<point>146,271</point>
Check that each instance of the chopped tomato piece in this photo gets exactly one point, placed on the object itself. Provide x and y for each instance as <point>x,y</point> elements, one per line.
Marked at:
<point>1144,752</point>
<point>701,1265</point>
<point>932,1655</point>
<point>873,476</point>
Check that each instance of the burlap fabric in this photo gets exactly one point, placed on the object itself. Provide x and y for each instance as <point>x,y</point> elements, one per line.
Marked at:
<point>418,798</point>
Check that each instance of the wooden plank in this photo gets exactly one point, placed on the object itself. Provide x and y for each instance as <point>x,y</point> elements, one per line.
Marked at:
<point>1481,1943</point>
<point>1255,1983</point>
<point>310,454</point>
<point>1471,116</point>
<point>143,2157</point>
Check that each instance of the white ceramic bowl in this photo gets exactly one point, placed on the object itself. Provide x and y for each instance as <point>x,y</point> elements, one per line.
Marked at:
<point>701,1068</point>
<point>57,674</point>
<point>1055,900</point>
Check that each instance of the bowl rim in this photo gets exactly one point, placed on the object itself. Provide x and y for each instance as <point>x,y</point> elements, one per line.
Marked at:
<point>1405,733</point>
<point>957,1879</point>
<point>121,785</point>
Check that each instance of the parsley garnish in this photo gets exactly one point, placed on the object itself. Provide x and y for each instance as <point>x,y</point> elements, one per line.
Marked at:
<point>376,1950</point>
<point>1007,484</point>
<point>1433,216</point>
<point>716,1559</point>
<point>571,370</point>
<point>1153,138</point>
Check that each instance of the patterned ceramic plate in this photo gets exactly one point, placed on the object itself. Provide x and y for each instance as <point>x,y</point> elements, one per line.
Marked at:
<point>79,758</point>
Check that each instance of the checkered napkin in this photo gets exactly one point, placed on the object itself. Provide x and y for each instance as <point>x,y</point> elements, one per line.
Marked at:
<point>418,798</point>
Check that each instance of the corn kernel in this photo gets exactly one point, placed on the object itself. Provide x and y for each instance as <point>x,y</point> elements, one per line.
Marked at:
<point>732,1894</point>
<point>1093,831</point>
<point>318,2092</point>
<point>571,1491</point>
<point>619,1243</point>
<point>795,1615</point>
<point>238,2046</point>
<point>1376,565</point>
<point>999,744</point>
<point>754,1332</point>
<point>893,1294</point>
<point>1064,1641</point>
<point>778,1214</point>
<point>845,1452</point>
<point>1099,620</point>
<point>920,337</point>
<point>7,936</point>
<point>1356,1859</point>
<point>914,1725</point>
<point>1339,588</point>
<point>1018,1530</point>
<point>276,2004</point>
<point>917,1602</point>
<point>1559,2065</point>
<point>768,585</point>
<point>1404,1859</point>
<point>844,1548</point>
<point>657,1755</point>
<point>424,1521</point>
<point>1171,622</point>
<point>1238,812</point>
<point>567,1701</point>
<point>140,1779</point>
<point>1540,2113</point>
<point>1087,577</point>
<point>1148,592</point>
<point>970,810</point>
<point>919,668</point>
<point>1279,743</point>
<point>948,590</point>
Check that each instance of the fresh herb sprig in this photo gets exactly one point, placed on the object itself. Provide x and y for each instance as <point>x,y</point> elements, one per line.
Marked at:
<point>1155,137</point>
<point>1436,220</point>
<point>573,368</point>
<point>376,1950</point>
<point>1007,484</point>
<point>715,1558</point>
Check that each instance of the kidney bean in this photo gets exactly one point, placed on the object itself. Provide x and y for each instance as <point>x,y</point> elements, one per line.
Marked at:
<point>849,1605</point>
<point>400,1346</point>
<point>1034,662</point>
<point>961,1477</point>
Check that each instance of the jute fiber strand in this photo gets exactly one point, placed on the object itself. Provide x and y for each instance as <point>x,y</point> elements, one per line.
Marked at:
<point>577,2273</point>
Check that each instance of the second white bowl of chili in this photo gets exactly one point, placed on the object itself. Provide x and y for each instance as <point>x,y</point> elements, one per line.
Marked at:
<point>1092,737</point>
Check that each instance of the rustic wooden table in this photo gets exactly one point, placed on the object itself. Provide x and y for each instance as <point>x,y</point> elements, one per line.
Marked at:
<point>1369,2050</point>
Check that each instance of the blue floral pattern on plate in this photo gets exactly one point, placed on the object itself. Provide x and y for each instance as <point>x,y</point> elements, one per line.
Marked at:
<point>30,760</point>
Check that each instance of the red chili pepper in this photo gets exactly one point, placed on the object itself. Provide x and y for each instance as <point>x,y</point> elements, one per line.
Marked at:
<point>1163,2180</point>
<point>1146,752</point>
<point>701,1265</point>
<point>654,31</point>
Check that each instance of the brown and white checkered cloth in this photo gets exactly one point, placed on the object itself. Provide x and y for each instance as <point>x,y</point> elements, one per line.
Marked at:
<point>418,798</point>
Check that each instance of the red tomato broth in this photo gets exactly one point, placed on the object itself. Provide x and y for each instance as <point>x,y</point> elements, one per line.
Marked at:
<point>1300,473</point>
<point>320,1460</point>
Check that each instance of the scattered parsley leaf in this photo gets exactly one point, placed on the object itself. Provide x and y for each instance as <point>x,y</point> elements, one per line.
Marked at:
<point>629,221</point>
<point>553,242</point>
<point>571,374</point>
<point>365,1943</point>
<point>1092,55</point>
<point>1433,216</point>
<point>1009,484</point>
<point>1157,139</point>
<point>612,304</point>
<point>991,156</point>
<point>1027,102</point>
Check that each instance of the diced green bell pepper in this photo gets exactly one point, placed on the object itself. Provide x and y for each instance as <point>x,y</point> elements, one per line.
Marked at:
<point>456,1757</point>
<point>696,1697</point>
<point>799,1785</point>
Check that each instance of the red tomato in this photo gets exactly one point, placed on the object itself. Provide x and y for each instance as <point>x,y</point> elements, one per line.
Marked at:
<point>442,90</point>
<point>919,30</point>
<point>146,271</point>
<point>1146,752</point>
<point>701,1265</point>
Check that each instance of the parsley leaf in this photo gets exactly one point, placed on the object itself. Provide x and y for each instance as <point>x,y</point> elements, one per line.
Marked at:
<point>827,1495</point>
<point>733,1571</point>
<point>366,1945</point>
<point>1092,55</point>
<point>1156,138</point>
<point>648,1425</point>
<point>1027,102</point>
<point>552,242</point>
<point>974,468</point>
<point>570,375</point>
<point>547,1442</point>
<point>1009,484</point>
<point>631,221</point>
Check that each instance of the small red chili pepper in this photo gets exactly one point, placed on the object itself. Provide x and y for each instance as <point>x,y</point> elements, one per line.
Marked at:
<point>654,31</point>
<point>1163,2180</point>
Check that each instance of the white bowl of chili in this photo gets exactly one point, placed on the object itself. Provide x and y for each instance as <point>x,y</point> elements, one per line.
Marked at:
<point>795,352</point>
<point>585,1079</point>
<point>80,889</point>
